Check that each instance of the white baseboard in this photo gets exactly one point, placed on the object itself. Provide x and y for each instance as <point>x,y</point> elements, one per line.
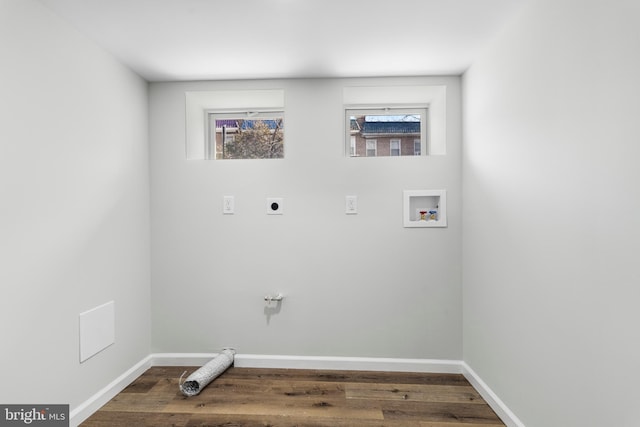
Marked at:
<point>499,407</point>
<point>91,405</point>
<point>314,362</point>
<point>181,359</point>
<point>83,411</point>
<point>348,363</point>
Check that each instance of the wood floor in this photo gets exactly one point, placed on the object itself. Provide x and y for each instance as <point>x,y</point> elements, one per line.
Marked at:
<point>304,398</point>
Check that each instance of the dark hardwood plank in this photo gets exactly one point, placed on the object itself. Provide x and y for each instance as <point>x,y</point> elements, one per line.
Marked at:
<point>136,419</point>
<point>288,421</point>
<point>314,401</point>
<point>414,392</point>
<point>349,376</point>
<point>154,400</point>
<point>440,412</point>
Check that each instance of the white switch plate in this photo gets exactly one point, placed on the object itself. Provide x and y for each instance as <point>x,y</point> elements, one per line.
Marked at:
<point>275,206</point>
<point>228,205</point>
<point>351,205</point>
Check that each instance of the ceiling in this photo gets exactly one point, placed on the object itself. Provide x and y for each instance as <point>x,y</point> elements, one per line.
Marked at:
<point>169,40</point>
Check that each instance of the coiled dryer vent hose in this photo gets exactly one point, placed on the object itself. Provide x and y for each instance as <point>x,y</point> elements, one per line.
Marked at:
<point>207,373</point>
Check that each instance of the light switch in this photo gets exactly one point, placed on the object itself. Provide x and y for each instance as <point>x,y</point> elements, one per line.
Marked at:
<point>228,205</point>
<point>351,205</point>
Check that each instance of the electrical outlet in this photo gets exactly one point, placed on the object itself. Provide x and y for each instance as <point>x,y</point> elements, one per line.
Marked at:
<point>228,205</point>
<point>351,205</point>
<point>275,206</point>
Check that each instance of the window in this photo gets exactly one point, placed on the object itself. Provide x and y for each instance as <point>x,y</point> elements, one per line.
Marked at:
<point>246,135</point>
<point>430,100</point>
<point>394,147</point>
<point>199,105</point>
<point>372,148</point>
<point>394,131</point>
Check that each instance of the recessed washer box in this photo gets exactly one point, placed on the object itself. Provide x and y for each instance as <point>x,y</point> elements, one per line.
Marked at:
<point>275,205</point>
<point>425,208</point>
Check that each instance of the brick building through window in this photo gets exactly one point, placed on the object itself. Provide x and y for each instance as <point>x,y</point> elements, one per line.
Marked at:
<point>375,136</point>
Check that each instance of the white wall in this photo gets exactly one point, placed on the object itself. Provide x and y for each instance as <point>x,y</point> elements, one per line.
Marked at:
<point>354,285</point>
<point>74,207</point>
<point>551,203</point>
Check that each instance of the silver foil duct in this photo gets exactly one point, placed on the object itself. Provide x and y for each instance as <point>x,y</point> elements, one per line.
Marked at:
<point>207,373</point>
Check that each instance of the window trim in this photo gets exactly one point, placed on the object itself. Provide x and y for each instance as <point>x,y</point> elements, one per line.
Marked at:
<point>434,97</point>
<point>198,102</point>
